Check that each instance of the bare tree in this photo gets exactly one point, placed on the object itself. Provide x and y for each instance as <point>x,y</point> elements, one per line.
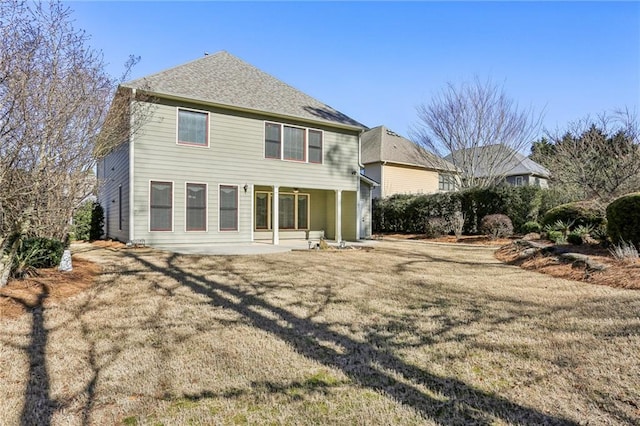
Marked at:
<point>595,158</point>
<point>478,128</point>
<point>54,95</point>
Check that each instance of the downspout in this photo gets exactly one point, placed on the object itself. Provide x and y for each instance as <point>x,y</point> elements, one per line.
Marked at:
<point>382,164</point>
<point>360,167</point>
<point>131,166</point>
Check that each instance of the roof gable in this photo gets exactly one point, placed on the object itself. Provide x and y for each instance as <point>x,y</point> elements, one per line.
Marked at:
<point>224,79</point>
<point>382,145</point>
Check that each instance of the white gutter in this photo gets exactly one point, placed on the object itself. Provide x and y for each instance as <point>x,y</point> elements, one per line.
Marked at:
<point>252,111</point>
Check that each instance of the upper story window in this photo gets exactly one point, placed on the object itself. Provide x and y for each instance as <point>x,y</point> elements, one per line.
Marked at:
<point>272,137</point>
<point>292,143</point>
<point>315,146</point>
<point>193,127</point>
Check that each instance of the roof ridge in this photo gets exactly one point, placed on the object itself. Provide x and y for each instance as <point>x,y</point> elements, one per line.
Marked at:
<point>206,56</point>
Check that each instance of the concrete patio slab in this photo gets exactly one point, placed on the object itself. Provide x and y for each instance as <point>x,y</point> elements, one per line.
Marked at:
<point>255,248</point>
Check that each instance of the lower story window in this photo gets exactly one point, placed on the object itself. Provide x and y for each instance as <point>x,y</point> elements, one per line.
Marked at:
<point>228,207</point>
<point>293,211</point>
<point>196,207</point>
<point>161,206</point>
<point>446,182</point>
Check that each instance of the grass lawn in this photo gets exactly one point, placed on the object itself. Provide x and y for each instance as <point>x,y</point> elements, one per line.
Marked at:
<point>408,333</point>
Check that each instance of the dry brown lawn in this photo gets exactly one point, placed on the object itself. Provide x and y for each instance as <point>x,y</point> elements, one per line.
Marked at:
<point>408,333</point>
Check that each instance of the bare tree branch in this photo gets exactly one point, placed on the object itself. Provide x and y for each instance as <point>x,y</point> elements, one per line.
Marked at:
<point>54,97</point>
<point>596,157</point>
<point>461,121</point>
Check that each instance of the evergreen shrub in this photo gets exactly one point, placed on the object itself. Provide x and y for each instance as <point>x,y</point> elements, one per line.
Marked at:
<point>623,219</point>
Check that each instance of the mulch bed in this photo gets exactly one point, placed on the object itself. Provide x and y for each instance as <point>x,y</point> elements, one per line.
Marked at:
<point>618,274</point>
<point>19,296</point>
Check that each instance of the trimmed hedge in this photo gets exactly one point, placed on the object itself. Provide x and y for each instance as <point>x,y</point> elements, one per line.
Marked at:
<point>411,213</point>
<point>623,219</point>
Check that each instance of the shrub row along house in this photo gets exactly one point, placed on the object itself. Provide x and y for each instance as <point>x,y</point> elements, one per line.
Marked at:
<point>227,154</point>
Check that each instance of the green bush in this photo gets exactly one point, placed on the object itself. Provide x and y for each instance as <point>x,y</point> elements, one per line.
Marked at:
<point>531,226</point>
<point>410,213</point>
<point>88,221</point>
<point>580,213</point>
<point>553,197</point>
<point>623,219</point>
<point>574,238</point>
<point>520,204</point>
<point>37,252</point>
<point>496,226</point>
<point>557,237</point>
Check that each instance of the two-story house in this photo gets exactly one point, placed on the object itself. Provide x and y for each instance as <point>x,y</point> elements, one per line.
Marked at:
<point>226,153</point>
<point>401,166</point>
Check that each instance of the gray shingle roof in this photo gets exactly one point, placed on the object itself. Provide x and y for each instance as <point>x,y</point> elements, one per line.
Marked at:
<point>224,79</point>
<point>382,145</point>
<point>512,164</point>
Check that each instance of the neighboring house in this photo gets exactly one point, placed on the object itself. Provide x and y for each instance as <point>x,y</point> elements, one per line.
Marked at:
<point>502,162</point>
<point>230,154</point>
<point>402,167</point>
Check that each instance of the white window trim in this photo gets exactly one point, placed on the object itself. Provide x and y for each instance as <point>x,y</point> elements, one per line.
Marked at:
<point>206,206</point>
<point>173,204</point>
<point>193,145</point>
<point>306,143</point>
<point>227,231</point>
<point>295,214</point>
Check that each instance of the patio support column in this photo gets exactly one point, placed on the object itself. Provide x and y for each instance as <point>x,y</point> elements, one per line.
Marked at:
<point>275,216</point>
<point>338,210</point>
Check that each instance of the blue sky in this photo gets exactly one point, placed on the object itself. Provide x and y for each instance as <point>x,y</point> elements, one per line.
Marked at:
<point>376,61</point>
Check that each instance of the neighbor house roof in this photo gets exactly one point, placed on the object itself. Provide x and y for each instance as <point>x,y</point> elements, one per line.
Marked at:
<point>512,163</point>
<point>382,145</point>
<point>226,80</point>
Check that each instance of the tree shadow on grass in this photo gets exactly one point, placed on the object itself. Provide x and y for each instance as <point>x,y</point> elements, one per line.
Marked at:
<point>362,362</point>
<point>38,405</point>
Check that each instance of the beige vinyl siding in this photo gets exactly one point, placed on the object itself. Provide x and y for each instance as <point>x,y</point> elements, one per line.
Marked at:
<point>235,156</point>
<point>408,180</point>
<point>113,171</point>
